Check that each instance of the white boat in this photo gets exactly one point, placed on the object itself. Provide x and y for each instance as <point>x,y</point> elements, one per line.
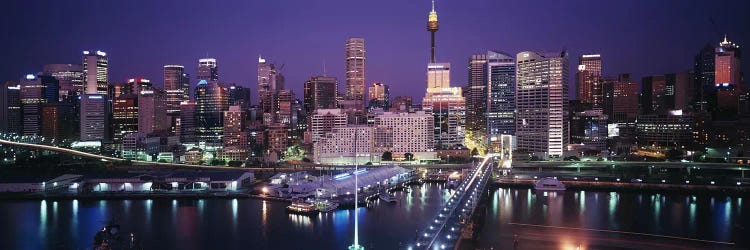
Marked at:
<point>327,206</point>
<point>299,207</point>
<point>386,197</point>
<point>549,184</point>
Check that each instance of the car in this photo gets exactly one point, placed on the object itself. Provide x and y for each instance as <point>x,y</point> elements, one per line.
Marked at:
<point>636,180</point>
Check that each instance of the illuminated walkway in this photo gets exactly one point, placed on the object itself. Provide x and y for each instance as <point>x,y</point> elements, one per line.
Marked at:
<point>444,230</point>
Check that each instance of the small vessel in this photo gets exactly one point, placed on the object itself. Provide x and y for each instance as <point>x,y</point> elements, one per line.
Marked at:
<point>300,207</point>
<point>549,184</point>
<point>387,197</point>
<point>326,206</point>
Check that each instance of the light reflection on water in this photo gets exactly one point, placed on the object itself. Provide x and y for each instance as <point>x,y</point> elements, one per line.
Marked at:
<point>70,224</point>
<point>713,218</point>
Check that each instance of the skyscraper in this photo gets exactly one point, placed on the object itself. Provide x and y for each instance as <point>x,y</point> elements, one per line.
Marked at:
<point>95,72</point>
<point>177,87</point>
<point>94,117</point>
<point>57,121</point>
<point>124,116</point>
<point>212,99</point>
<point>320,93</point>
<point>624,99</point>
<point>152,111</point>
<point>653,95</point>
<point>704,78</point>
<point>501,104</point>
<point>10,108</point>
<point>727,77</point>
<point>240,96</point>
<point>188,122</point>
<point>234,126</point>
<point>32,95</point>
<point>207,70</point>
<point>476,99</point>
<point>355,71</point>
<point>69,76</point>
<point>270,81</point>
<point>589,80</point>
<point>542,103</point>
<point>380,95</point>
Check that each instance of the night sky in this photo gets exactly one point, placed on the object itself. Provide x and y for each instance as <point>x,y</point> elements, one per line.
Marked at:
<point>641,37</point>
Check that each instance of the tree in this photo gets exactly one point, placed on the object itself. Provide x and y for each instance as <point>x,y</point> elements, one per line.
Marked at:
<point>409,156</point>
<point>474,151</point>
<point>387,156</point>
<point>476,140</point>
<point>294,153</point>
<point>218,162</point>
<point>369,163</point>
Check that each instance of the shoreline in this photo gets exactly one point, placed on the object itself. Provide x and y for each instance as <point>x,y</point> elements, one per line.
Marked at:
<point>738,191</point>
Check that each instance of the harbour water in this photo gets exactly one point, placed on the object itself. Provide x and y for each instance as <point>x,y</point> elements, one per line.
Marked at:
<point>513,216</point>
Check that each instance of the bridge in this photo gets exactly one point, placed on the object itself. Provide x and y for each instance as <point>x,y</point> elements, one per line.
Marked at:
<point>445,229</point>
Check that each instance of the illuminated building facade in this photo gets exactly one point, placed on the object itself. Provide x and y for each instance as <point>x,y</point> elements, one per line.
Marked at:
<point>320,93</point>
<point>542,103</point>
<point>95,72</point>
<point>212,99</point>
<point>589,80</point>
<point>355,71</point>
<point>501,89</point>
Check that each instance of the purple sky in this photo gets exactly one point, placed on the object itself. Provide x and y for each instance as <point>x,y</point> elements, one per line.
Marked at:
<point>639,36</point>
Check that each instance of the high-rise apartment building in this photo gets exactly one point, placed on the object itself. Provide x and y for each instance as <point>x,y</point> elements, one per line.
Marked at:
<point>589,80</point>
<point>324,120</point>
<point>501,89</point>
<point>542,103</point>
<point>95,72</point>
<point>355,71</point>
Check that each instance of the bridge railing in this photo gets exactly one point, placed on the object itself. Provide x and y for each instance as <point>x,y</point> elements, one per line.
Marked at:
<point>449,215</point>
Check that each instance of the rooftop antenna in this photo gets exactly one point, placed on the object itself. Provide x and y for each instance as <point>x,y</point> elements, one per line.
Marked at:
<point>324,67</point>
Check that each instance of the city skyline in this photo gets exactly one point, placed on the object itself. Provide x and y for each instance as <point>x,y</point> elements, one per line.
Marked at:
<point>396,45</point>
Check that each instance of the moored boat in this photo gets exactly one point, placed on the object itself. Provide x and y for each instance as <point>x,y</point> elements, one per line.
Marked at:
<point>549,184</point>
<point>299,207</point>
<point>387,197</point>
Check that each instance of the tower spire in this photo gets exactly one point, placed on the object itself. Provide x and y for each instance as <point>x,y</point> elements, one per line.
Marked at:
<point>432,27</point>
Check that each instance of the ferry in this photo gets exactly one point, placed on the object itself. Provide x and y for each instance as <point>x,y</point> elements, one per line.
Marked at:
<point>299,207</point>
<point>549,184</point>
<point>387,197</point>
